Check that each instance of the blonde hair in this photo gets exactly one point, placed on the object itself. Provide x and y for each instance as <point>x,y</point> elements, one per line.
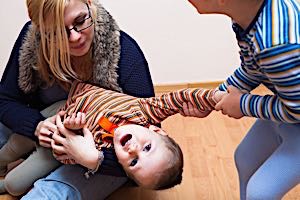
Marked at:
<point>54,61</point>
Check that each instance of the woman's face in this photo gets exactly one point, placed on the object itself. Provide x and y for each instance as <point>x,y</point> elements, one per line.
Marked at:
<point>79,26</point>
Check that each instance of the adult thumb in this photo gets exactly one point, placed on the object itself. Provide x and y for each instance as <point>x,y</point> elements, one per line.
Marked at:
<point>87,133</point>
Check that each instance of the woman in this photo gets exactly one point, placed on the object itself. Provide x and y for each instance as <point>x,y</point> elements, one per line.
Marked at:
<point>68,40</point>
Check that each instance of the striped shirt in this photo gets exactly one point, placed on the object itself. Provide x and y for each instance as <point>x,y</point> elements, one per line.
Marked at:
<point>122,109</point>
<point>270,54</point>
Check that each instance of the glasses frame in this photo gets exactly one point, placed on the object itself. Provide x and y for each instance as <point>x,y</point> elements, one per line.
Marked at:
<point>75,26</point>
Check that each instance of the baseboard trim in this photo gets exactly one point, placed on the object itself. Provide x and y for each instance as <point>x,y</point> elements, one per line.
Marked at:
<point>163,88</point>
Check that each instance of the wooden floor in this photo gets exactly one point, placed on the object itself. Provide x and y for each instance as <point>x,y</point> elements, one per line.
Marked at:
<point>209,173</point>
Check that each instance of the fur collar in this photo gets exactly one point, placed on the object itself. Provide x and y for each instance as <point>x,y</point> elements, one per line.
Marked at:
<point>106,54</point>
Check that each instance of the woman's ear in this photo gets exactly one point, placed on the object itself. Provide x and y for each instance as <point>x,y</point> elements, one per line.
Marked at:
<point>157,130</point>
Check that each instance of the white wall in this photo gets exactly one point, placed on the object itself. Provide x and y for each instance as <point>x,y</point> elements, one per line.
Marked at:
<point>13,15</point>
<point>180,45</point>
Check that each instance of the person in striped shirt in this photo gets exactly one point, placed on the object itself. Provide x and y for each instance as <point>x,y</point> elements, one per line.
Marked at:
<point>109,119</point>
<point>268,34</point>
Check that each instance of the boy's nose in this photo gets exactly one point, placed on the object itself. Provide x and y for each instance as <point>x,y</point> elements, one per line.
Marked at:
<point>132,148</point>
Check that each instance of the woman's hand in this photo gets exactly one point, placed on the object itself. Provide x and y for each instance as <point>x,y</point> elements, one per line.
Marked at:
<point>67,144</point>
<point>189,110</point>
<point>45,130</point>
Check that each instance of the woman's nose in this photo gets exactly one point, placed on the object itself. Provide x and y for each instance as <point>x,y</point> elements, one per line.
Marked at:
<point>74,35</point>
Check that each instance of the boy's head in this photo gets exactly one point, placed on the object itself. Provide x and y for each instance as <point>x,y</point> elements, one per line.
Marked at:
<point>208,6</point>
<point>151,158</point>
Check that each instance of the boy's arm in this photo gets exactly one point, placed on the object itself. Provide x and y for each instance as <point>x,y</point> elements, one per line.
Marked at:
<point>242,80</point>
<point>284,105</point>
<point>159,108</point>
<point>281,65</point>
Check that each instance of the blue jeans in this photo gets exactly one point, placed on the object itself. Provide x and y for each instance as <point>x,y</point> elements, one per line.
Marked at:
<point>68,182</point>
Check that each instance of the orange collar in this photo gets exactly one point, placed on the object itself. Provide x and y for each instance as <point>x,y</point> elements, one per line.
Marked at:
<point>108,126</point>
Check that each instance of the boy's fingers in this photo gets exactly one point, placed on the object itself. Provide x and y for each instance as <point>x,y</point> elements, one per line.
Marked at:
<point>61,113</point>
<point>61,128</point>
<point>218,106</point>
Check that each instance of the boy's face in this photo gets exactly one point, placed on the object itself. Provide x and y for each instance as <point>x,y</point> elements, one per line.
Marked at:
<point>204,6</point>
<point>142,152</point>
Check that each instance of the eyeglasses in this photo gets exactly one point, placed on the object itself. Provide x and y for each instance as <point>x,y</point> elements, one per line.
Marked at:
<point>82,25</point>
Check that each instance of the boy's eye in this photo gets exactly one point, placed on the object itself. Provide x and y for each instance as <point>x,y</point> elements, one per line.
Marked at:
<point>147,148</point>
<point>133,162</point>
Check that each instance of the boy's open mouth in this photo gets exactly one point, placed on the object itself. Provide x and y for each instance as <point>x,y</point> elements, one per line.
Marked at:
<point>125,139</point>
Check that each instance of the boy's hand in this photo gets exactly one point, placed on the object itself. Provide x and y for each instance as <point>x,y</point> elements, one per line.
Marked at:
<point>75,122</point>
<point>188,110</point>
<point>219,95</point>
<point>230,103</point>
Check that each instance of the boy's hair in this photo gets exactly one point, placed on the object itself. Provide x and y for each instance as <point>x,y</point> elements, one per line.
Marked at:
<point>172,175</point>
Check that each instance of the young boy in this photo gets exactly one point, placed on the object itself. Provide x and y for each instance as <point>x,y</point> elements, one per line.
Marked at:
<point>145,151</point>
<point>268,34</point>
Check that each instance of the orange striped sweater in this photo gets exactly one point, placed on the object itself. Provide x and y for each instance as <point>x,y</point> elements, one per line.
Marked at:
<point>122,109</point>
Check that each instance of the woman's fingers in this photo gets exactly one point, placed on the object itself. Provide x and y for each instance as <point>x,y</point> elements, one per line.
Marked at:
<point>57,148</point>
<point>45,142</point>
<point>61,157</point>
<point>45,130</point>
<point>58,139</point>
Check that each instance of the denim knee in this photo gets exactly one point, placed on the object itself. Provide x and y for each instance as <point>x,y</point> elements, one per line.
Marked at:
<point>52,190</point>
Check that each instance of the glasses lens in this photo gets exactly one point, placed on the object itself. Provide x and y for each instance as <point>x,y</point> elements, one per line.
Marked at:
<point>86,23</point>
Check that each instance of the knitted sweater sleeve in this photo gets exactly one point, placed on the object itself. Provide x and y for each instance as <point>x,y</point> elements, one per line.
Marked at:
<point>14,110</point>
<point>134,73</point>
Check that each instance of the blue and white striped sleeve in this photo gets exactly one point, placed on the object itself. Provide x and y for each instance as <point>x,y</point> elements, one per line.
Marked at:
<point>282,66</point>
<point>242,80</point>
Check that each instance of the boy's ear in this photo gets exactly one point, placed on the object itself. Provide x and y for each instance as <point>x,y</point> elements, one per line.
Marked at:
<point>157,130</point>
